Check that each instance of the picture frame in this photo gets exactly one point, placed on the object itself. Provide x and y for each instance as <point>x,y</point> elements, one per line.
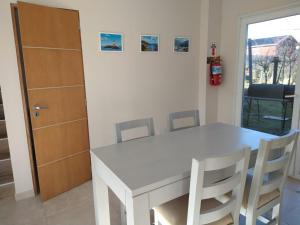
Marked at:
<point>110,42</point>
<point>149,43</point>
<point>181,44</point>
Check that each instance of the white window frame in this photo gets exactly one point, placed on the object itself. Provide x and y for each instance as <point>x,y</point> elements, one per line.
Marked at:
<point>244,21</point>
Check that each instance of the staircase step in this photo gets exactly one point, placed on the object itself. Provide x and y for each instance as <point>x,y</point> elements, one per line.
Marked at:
<point>6,175</point>
<point>6,180</point>
<point>2,117</point>
<point>3,133</point>
<point>7,190</point>
<point>4,156</point>
<point>4,148</point>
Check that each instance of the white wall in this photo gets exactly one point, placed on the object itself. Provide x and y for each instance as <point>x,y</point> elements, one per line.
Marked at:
<point>10,87</point>
<point>119,86</point>
<point>214,36</point>
<point>133,84</point>
<point>232,10</point>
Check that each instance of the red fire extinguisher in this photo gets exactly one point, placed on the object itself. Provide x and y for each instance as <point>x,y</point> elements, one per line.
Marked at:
<point>215,68</point>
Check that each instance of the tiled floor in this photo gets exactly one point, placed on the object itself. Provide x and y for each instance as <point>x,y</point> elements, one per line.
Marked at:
<point>71,208</point>
<point>291,203</point>
<point>76,208</point>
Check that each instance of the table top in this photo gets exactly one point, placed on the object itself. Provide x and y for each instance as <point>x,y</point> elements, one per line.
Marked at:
<point>148,163</point>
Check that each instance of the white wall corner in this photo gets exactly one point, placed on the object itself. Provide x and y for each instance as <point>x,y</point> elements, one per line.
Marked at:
<point>204,19</point>
<point>214,36</point>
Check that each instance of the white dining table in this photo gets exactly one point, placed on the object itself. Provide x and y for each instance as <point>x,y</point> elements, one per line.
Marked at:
<point>147,172</point>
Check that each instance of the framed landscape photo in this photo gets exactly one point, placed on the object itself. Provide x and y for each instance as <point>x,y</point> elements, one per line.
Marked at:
<point>149,43</point>
<point>110,42</point>
<point>181,44</point>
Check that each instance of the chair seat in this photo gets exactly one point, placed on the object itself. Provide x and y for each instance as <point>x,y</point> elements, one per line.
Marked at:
<point>263,200</point>
<point>175,211</point>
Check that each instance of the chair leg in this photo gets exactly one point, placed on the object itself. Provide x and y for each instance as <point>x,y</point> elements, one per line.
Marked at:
<point>156,222</point>
<point>275,213</point>
<point>250,221</point>
<point>123,214</point>
<point>236,219</point>
<point>250,218</point>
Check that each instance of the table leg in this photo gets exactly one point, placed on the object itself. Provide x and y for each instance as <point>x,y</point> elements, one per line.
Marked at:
<point>123,214</point>
<point>101,201</point>
<point>138,212</point>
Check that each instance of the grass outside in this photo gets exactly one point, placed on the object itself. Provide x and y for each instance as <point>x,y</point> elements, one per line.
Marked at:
<point>266,108</point>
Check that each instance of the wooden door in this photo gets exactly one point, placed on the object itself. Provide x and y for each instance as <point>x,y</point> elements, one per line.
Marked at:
<point>53,70</point>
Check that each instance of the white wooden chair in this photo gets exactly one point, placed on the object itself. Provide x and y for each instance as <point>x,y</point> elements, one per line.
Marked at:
<point>194,114</point>
<point>263,191</point>
<point>148,122</point>
<point>200,206</point>
<point>127,125</point>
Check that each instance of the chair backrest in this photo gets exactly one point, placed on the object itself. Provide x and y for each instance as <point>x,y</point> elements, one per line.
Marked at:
<point>148,123</point>
<point>184,114</point>
<point>235,184</point>
<point>266,167</point>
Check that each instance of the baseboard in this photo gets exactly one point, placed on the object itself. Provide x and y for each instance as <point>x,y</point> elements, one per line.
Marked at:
<point>24,195</point>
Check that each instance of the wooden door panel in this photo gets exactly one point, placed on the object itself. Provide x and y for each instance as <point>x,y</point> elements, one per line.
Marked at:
<point>62,140</point>
<point>63,104</point>
<point>79,169</point>
<point>49,27</point>
<point>52,67</point>
<point>62,175</point>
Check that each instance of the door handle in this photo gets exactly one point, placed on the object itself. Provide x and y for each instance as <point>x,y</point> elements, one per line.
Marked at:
<point>39,107</point>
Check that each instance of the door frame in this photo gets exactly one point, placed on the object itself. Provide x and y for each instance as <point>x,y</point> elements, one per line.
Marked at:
<point>24,94</point>
<point>26,112</point>
<point>244,21</point>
